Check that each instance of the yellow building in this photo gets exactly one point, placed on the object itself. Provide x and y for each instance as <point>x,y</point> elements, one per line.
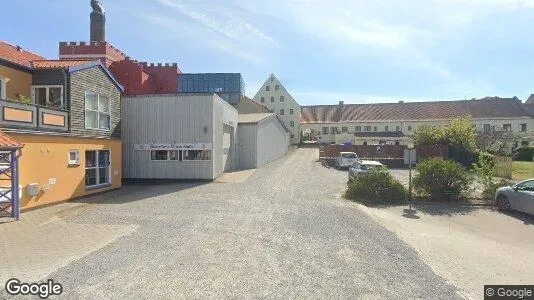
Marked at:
<point>67,115</point>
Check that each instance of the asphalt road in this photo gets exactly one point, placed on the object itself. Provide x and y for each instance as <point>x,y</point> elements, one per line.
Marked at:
<point>283,233</point>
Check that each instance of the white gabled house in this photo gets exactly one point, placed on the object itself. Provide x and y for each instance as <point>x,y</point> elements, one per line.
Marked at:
<point>277,99</point>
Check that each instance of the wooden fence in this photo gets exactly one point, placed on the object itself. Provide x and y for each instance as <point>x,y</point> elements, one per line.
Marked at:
<point>503,166</point>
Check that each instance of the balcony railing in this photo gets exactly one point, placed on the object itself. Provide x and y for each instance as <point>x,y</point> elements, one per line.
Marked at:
<point>18,115</point>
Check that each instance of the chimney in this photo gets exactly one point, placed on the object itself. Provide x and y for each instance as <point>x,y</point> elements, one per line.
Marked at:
<point>19,48</point>
<point>98,22</point>
<point>341,102</point>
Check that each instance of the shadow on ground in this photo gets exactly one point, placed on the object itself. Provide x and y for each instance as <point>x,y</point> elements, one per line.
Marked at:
<point>448,210</point>
<point>132,191</point>
<point>526,218</point>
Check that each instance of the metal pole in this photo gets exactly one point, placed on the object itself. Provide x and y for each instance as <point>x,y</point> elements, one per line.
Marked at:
<point>410,178</point>
<point>15,185</point>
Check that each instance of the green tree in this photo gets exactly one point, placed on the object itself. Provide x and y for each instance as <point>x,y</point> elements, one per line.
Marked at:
<point>462,133</point>
<point>427,135</point>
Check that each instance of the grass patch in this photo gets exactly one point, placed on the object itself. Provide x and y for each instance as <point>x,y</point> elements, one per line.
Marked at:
<point>522,170</point>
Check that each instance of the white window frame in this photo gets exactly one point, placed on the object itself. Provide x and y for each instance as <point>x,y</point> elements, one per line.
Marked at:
<point>183,156</point>
<point>291,123</point>
<point>3,91</point>
<point>48,87</point>
<point>521,127</point>
<point>97,185</point>
<point>179,157</point>
<point>98,112</point>
<point>76,160</point>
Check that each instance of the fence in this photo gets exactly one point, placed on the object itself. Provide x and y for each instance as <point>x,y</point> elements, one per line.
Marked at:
<point>383,151</point>
<point>503,166</point>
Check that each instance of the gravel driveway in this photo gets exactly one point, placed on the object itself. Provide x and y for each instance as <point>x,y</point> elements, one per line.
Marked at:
<point>285,232</point>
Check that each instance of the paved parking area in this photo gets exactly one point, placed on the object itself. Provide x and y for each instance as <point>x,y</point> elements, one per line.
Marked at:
<point>282,231</point>
<point>469,246</point>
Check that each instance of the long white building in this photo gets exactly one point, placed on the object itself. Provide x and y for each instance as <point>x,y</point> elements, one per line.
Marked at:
<point>392,123</point>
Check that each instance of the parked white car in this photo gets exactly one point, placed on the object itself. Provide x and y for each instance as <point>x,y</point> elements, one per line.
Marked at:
<point>519,196</point>
<point>345,159</point>
<point>363,167</point>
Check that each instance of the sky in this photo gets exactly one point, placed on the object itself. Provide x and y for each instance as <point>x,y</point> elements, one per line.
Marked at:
<point>358,51</point>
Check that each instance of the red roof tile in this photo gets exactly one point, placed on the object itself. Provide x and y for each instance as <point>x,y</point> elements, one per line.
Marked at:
<point>7,142</point>
<point>17,55</point>
<point>489,107</point>
<point>57,64</point>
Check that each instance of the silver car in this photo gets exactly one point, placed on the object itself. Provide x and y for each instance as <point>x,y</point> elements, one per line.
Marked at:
<point>363,167</point>
<point>518,197</point>
<point>346,159</point>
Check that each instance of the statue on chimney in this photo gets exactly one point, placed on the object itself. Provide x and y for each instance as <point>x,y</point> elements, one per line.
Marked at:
<point>98,22</point>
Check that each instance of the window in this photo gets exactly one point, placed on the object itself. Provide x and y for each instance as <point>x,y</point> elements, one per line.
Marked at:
<point>276,87</point>
<point>74,157</point>
<point>291,124</point>
<point>272,99</point>
<point>281,98</point>
<point>397,128</point>
<point>292,136</point>
<point>282,112</point>
<point>507,127</point>
<point>375,128</point>
<point>367,128</point>
<point>523,127</point>
<point>344,129</point>
<point>325,130</point>
<point>487,127</point>
<point>386,128</point>
<point>196,155</point>
<point>291,111</point>
<point>2,88</point>
<point>97,114</point>
<point>262,100</point>
<point>97,168</point>
<point>165,155</point>
<point>409,128</point>
<point>267,88</point>
<point>526,186</point>
<point>51,96</point>
<point>397,143</point>
<point>272,78</point>
<point>365,143</point>
<point>333,130</point>
<point>358,128</point>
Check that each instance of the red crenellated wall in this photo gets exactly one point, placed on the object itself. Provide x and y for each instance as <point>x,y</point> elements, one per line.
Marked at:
<point>137,78</point>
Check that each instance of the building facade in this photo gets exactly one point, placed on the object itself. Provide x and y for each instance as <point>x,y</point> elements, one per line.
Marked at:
<point>277,99</point>
<point>229,86</point>
<point>69,125</point>
<point>394,123</point>
<point>262,138</point>
<point>178,136</point>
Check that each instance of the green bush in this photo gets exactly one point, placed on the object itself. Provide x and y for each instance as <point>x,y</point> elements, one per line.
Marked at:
<point>485,158</point>
<point>377,188</point>
<point>441,179</point>
<point>523,153</point>
<point>485,170</point>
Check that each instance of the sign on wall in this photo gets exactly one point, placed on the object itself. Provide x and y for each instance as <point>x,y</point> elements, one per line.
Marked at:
<point>180,146</point>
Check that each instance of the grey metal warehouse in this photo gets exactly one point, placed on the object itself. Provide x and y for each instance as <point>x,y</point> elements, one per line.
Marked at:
<point>262,138</point>
<point>195,136</point>
<point>177,136</point>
